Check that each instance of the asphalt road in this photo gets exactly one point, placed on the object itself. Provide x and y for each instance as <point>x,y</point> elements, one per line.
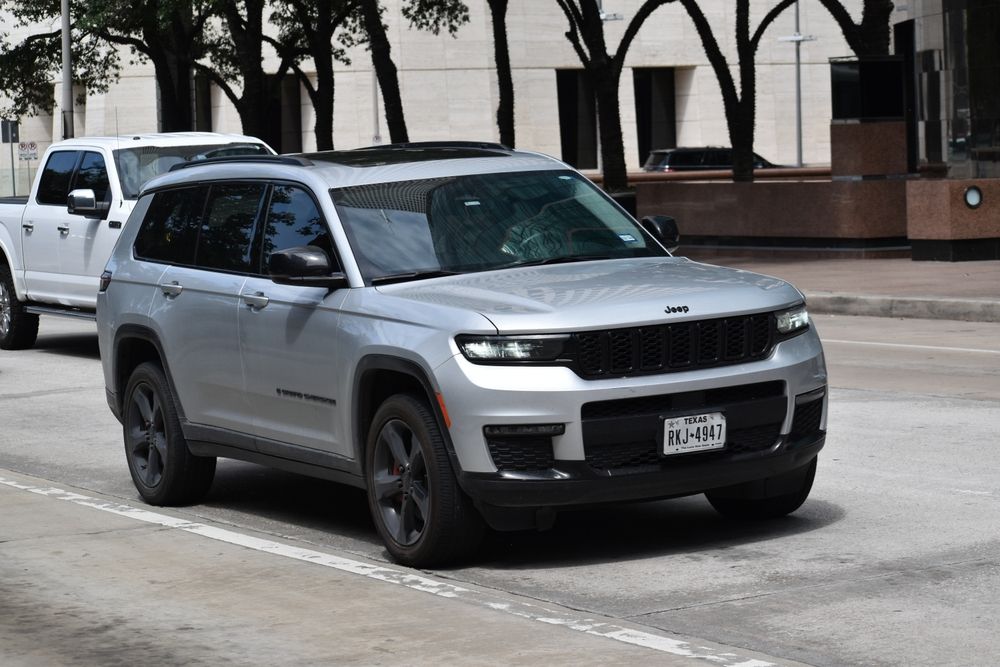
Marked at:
<point>894,559</point>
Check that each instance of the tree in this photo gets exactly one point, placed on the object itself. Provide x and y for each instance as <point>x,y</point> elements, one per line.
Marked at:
<point>28,68</point>
<point>169,33</point>
<point>310,26</point>
<point>236,56</point>
<point>740,107</point>
<point>603,71</point>
<point>870,37</point>
<point>505,82</point>
<point>166,32</point>
<point>430,15</point>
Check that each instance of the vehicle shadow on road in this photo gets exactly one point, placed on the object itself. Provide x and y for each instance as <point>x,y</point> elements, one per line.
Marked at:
<point>644,530</point>
<point>82,345</point>
<point>580,537</point>
<point>301,501</point>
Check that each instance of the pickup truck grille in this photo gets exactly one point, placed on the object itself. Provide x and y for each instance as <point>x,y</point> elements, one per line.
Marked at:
<point>669,348</point>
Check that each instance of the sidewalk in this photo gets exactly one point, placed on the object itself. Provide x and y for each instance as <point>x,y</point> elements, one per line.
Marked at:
<point>87,580</point>
<point>886,287</point>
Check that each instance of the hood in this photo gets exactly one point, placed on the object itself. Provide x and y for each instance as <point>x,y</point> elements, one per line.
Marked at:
<point>602,294</point>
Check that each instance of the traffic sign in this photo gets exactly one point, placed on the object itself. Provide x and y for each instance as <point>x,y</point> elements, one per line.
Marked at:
<point>27,150</point>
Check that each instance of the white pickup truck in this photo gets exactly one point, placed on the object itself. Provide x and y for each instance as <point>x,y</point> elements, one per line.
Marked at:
<point>55,242</point>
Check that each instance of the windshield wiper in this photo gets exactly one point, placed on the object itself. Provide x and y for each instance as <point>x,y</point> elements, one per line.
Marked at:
<point>412,275</point>
<point>566,259</point>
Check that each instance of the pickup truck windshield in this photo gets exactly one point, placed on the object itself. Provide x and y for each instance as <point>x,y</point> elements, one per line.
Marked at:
<point>482,222</point>
<point>138,165</point>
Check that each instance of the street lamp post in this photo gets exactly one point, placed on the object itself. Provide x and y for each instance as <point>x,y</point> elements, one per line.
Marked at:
<point>798,38</point>
<point>67,74</point>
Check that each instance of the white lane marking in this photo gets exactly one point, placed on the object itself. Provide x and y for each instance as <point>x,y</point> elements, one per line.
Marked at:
<point>936,348</point>
<point>526,610</point>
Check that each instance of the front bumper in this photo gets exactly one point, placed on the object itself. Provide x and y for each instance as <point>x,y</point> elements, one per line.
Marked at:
<point>574,483</point>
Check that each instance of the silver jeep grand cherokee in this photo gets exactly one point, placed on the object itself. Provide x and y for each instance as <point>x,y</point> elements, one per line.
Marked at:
<point>474,335</point>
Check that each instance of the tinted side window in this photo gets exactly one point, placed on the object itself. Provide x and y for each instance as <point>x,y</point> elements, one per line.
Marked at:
<point>227,228</point>
<point>293,219</point>
<point>92,175</point>
<point>719,159</point>
<point>54,185</point>
<point>685,159</point>
<point>169,232</point>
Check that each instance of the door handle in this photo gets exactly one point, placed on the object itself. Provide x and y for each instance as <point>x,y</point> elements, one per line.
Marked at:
<point>171,289</point>
<point>256,301</point>
<point>63,229</point>
<point>28,226</point>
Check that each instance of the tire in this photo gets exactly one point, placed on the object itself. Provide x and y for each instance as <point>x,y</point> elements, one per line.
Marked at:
<point>163,470</point>
<point>421,514</point>
<point>18,329</point>
<point>733,504</point>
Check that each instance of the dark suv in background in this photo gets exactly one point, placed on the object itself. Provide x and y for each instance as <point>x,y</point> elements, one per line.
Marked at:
<point>697,159</point>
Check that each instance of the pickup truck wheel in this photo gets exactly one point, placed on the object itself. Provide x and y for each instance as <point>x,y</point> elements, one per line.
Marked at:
<point>163,470</point>
<point>18,329</point>
<point>421,514</point>
<point>736,505</point>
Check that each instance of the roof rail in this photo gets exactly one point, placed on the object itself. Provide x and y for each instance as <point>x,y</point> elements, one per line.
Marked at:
<point>240,159</point>
<point>485,145</point>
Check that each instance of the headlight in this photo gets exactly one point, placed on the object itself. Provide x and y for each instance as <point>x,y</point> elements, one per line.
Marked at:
<point>792,320</point>
<point>511,349</point>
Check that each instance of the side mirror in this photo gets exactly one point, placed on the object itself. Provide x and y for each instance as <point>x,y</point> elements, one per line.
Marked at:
<point>307,266</point>
<point>84,202</point>
<point>664,229</point>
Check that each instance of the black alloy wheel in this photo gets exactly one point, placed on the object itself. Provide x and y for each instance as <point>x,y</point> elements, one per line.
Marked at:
<point>163,469</point>
<point>421,514</point>
<point>18,328</point>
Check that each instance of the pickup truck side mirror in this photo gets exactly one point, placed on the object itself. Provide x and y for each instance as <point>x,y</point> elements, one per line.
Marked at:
<point>307,266</point>
<point>664,229</point>
<point>84,202</point>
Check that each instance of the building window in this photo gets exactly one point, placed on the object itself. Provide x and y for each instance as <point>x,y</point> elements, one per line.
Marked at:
<point>655,110</point>
<point>577,119</point>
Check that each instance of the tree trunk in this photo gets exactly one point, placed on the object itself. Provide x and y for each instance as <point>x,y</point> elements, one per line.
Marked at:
<point>176,94</point>
<point>609,119</point>
<point>505,82</point>
<point>323,104</point>
<point>385,70</point>
<point>742,127</point>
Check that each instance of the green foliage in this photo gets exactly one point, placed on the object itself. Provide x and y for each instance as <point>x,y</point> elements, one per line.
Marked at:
<point>435,15</point>
<point>29,68</point>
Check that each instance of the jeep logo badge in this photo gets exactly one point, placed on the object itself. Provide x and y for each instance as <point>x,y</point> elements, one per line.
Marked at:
<point>676,309</point>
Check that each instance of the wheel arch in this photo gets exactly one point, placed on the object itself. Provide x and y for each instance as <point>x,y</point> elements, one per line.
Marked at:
<point>7,256</point>
<point>377,377</point>
<point>133,345</point>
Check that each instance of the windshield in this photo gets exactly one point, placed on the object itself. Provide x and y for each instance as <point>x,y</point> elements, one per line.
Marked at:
<point>477,223</point>
<point>138,165</point>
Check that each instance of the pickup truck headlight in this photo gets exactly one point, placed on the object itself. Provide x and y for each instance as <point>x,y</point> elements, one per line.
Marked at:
<point>793,320</point>
<point>512,349</point>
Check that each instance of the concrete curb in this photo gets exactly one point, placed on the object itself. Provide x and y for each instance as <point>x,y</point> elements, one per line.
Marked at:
<point>969,310</point>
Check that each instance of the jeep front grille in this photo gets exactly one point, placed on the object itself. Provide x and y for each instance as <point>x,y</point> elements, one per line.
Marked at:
<point>667,348</point>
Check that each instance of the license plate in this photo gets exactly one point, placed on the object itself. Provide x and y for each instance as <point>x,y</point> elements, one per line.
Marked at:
<point>694,433</point>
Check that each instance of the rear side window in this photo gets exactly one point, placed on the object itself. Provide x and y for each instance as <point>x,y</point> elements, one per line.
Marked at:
<point>228,225</point>
<point>720,159</point>
<point>685,159</point>
<point>293,219</point>
<point>54,184</point>
<point>92,175</point>
<point>169,231</point>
